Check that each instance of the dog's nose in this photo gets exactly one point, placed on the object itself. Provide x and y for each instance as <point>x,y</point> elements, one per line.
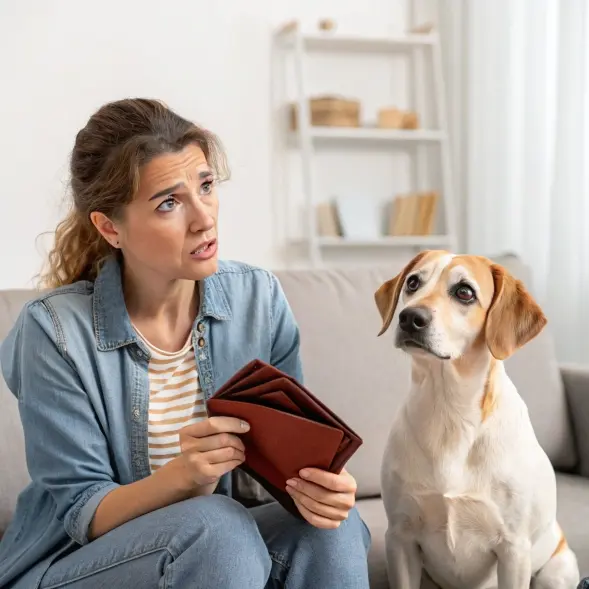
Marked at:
<point>414,319</point>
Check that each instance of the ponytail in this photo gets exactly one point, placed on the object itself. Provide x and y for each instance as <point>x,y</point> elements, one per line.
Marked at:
<point>78,252</point>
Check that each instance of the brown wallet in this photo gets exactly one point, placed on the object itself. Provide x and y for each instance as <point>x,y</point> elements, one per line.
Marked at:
<point>290,428</point>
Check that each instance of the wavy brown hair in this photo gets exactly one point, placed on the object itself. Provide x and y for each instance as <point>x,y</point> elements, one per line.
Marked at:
<point>106,160</point>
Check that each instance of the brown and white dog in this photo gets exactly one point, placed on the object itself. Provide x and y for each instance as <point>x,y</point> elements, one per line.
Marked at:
<point>470,495</point>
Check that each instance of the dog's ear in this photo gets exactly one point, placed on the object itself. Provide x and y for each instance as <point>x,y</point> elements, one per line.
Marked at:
<point>514,318</point>
<point>387,296</point>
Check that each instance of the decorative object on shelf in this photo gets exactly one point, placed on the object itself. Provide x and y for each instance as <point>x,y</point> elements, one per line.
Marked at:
<point>361,217</point>
<point>289,27</point>
<point>395,118</point>
<point>329,111</point>
<point>328,221</point>
<point>424,29</point>
<point>327,24</point>
<point>413,214</point>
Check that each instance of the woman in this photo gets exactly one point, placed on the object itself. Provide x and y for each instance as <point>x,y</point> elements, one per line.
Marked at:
<point>111,367</point>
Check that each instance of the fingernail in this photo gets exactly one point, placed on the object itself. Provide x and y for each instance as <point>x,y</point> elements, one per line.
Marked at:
<point>244,425</point>
<point>305,473</point>
<point>292,482</point>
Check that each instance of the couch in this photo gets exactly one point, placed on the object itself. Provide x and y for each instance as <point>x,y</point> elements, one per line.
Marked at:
<point>363,378</point>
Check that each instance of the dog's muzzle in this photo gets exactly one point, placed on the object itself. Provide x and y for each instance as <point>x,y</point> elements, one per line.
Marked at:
<point>415,320</point>
<point>413,328</point>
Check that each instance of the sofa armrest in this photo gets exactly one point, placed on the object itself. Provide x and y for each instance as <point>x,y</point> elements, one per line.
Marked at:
<point>576,385</point>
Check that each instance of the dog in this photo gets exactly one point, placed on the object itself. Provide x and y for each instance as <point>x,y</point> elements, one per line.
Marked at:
<point>469,494</point>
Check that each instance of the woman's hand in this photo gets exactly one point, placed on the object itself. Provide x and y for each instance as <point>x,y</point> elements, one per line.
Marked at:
<point>324,499</point>
<point>211,448</point>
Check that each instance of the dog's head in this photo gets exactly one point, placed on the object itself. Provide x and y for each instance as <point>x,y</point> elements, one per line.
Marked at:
<point>448,304</point>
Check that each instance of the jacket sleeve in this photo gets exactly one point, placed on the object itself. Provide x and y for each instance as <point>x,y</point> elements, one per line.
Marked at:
<point>285,354</point>
<point>66,449</point>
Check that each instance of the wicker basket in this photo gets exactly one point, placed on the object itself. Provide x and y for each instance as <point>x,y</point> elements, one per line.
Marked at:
<point>329,111</point>
<point>394,118</point>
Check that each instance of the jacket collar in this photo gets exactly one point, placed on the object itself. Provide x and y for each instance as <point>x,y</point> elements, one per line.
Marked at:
<point>112,324</point>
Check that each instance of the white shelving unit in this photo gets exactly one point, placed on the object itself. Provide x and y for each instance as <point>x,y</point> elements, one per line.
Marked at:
<point>368,134</point>
<point>308,138</point>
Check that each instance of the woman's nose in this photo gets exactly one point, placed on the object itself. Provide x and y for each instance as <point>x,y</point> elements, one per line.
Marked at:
<point>200,219</point>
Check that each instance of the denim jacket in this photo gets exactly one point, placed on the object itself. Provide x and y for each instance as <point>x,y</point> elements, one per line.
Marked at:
<point>79,372</point>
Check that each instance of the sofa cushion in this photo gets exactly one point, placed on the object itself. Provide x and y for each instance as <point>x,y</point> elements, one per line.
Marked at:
<point>364,379</point>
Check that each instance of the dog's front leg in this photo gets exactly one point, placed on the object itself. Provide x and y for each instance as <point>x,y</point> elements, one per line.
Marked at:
<point>514,568</point>
<point>403,562</point>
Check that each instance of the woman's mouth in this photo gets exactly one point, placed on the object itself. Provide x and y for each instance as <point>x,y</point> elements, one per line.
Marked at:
<point>205,251</point>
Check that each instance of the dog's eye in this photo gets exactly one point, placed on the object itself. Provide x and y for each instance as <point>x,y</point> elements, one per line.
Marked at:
<point>464,293</point>
<point>413,282</point>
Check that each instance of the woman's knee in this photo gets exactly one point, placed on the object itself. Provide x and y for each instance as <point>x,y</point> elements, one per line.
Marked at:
<point>352,535</point>
<point>223,529</point>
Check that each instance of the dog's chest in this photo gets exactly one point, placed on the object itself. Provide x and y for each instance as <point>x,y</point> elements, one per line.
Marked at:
<point>449,491</point>
<point>455,516</point>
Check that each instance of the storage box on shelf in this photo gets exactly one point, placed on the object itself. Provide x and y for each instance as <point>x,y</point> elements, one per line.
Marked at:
<point>329,111</point>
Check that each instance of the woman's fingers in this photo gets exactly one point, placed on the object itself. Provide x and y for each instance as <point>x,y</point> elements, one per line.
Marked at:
<point>317,508</point>
<point>319,521</point>
<point>341,501</point>
<point>208,467</point>
<point>212,442</point>
<point>221,455</point>
<point>216,425</point>
<point>212,447</point>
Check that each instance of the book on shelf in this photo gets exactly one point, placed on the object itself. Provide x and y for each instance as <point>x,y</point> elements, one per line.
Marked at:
<point>328,222</point>
<point>413,214</point>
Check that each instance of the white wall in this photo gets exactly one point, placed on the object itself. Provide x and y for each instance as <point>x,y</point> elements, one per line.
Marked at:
<point>61,60</point>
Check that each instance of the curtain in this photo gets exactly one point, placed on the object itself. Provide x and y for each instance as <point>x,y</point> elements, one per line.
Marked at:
<point>527,150</point>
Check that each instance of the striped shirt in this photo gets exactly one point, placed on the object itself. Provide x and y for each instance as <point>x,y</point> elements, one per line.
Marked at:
<point>175,400</point>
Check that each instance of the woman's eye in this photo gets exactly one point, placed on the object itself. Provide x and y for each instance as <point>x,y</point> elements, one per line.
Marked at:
<point>168,205</point>
<point>413,283</point>
<point>206,187</point>
<point>465,293</point>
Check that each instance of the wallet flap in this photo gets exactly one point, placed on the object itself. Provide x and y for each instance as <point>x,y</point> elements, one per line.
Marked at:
<point>252,374</point>
<point>279,400</point>
<point>269,391</point>
<point>257,373</point>
<point>279,444</point>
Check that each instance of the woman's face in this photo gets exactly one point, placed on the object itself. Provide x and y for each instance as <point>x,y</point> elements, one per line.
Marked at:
<point>170,228</point>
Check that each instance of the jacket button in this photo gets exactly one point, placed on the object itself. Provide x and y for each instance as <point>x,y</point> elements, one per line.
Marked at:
<point>200,327</point>
<point>136,413</point>
<point>201,342</point>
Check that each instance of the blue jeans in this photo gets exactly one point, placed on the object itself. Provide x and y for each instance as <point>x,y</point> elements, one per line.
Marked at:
<point>215,543</point>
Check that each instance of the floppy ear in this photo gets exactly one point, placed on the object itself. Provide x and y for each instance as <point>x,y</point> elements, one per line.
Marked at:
<point>387,296</point>
<point>514,318</point>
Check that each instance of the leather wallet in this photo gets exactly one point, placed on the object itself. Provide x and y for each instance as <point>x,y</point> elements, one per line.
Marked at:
<point>290,429</point>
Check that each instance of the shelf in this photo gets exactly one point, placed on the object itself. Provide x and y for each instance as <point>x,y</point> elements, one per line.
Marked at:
<point>394,241</point>
<point>371,134</point>
<point>303,44</point>
<point>356,43</point>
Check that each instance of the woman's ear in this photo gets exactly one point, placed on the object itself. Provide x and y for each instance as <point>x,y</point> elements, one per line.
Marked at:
<point>387,296</point>
<point>105,227</point>
<point>514,318</point>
